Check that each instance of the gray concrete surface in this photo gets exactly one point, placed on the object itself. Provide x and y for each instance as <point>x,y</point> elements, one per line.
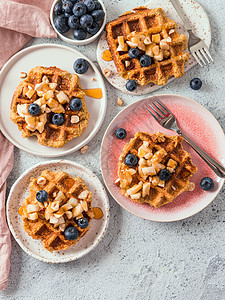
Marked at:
<point>138,259</point>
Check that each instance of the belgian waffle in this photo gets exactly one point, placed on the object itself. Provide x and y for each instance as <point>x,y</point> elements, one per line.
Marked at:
<point>52,236</point>
<point>52,135</point>
<point>159,151</point>
<point>148,22</point>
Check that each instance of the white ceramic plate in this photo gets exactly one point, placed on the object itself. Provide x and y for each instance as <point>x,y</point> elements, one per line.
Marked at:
<point>194,120</point>
<point>49,55</point>
<point>201,27</point>
<point>20,190</point>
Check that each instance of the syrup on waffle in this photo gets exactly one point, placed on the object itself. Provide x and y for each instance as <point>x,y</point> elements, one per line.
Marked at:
<point>147,22</point>
<point>40,219</point>
<point>155,152</point>
<point>47,133</point>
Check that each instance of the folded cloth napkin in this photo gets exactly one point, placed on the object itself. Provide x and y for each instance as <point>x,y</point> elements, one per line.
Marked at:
<point>20,21</point>
<point>6,164</point>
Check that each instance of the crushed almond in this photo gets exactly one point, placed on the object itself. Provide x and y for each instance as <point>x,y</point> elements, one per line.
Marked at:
<point>23,74</point>
<point>107,72</point>
<point>120,101</point>
<point>75,119</point>
<point>84,149</point>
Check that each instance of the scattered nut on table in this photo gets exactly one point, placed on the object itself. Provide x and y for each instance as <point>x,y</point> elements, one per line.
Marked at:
<point>120,101</point>
<point>23,74</point>
<point>107,72</point>
<point>84,149</point>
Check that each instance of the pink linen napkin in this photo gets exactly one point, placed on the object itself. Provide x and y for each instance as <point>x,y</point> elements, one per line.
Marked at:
<point>20,21</point>
<point>6,164</point>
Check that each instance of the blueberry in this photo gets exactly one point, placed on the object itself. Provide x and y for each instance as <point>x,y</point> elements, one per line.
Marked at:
<point>67,6</point>
<point>98,15</point>
<point>79,34</point>
<point>90,5</point>
<point>75,104</point>
<point>86,20</point>
<point>93,29</point>
<point>67,15</point>
<point>58,9</point>
<point>79,9</point>
<point>75,1</point>
<point>83,222</point>
<point>57,119</point>
<point>73,22</point>
<point>164,174</point>
<point>80,66</point>
<point>131,160</point>
<point>145,60</point>
<point>71,233</point>
<point>134,52</point>
<point>97,5</point>
<point>61,24</point>
<point>131,85</point>
<point>34,109</point>
<point>121,133</point>
<point>196,84</point>
<point>42,196</point>
<point>207,184</point>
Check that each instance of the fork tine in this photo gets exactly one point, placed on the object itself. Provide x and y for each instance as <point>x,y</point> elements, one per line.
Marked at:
<point>208,53</point>
<point>162,112</point>
<point>153,115</point>
<point>205,56</point>
<point>155,111</point>
<point>197,59</point>
<point>166,109</point>
<point>198,53</point>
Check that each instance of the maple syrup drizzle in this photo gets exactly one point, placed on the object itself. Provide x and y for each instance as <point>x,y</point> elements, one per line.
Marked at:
<point>106,55</point>
<point>98,214</point>
<point>94,93</point>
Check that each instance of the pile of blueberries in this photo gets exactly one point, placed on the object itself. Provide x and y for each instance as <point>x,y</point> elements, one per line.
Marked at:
<point>82,17</point>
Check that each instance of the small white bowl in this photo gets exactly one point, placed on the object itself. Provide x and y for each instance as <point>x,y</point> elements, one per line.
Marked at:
<point>68,36</point>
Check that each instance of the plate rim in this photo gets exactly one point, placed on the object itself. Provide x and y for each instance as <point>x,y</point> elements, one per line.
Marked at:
<point>4,72</point>
<point>96,240</point>
<point>101,158</point>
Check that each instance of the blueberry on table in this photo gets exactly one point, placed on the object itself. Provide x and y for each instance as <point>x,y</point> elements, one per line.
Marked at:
<point>121,133</point>
<point>93,29</point>
<point>98,15</point>
<point>145,60</point>
<point>58,119</point>
<point>196,84</point>
<point>73,22</point>
<point>61,24</point>
<point>97,5</point>
<point>79,34</point>
<point>80,66</point>
<point>71,233</point>
<point>207,184</point>
<point>79,9</point>
<point>82,223</point>
<point>34,109</point>
<point>134,52</point>
<point>131,160</point>
<point>67,6</point>
<point>86,20</point>
<point>75,104</point>
<point>42,196</point>
<point>131,85</point>
<point>164,174</point>
<point>58,9</point>
<point>90,5</point>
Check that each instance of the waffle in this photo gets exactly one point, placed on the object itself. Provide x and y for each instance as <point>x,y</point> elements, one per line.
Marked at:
<point>50,135</point>
<point>55,183</point>
<point>159,151</point>
<point>148,22</point>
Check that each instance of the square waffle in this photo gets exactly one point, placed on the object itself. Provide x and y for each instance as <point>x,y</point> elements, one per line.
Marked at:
<point>60,187</point>
<point>51,135</point>
<point>155,152</point>
<point>147,22</point>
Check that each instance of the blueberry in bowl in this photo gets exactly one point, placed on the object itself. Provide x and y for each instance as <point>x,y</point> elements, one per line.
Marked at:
<point>61,24</point>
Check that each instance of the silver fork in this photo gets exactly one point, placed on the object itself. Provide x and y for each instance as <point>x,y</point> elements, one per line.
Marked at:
<point>167,120</point>
<point>197,46</point>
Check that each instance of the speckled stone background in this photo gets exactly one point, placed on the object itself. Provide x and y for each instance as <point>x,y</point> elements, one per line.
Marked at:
<point>138,259</point>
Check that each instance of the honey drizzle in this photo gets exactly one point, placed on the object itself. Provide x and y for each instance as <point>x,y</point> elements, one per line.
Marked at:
<point>106,55</point>
<point>98,214</point>
<point>94,93</point>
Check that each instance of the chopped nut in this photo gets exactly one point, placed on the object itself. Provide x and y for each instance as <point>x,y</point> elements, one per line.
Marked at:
<point>22,110</point>
<point>52,85</point>
<point>127,63</point>
<point>84,205</point>
<point>148,49</point>
<point>128,177</point>
<point>172,163</point>
<point>79,217</point>
<point>75,119</point>
<point>164,34</point>
<point>59,109</point>
<point>77,210</point>
<point>41,181</point>
<point>33,216</point>
<point>170,169</point>
<point>107,72</point>
<point>32,208</point>
<point>149,171</point>
<point>62,227</point>
<point>69,214</point>
<point>159,57</point>
<point>147,41</point>
<point>145,189</point>
<point>132,171</point>
<point>55,205</point>
<point>45,79</point>
<point>59,213</point>
<point>49,94</point>
<point>156,38</point>
<point>155,50</point>
<point>141,46</point>
<point>155,180</point>
<point>158,166</point>
<point>23,74</point>
<point>40,127</point>
<point>173,187</point>
<point>53,220</point>
<point>120,101</point>
<point>66,206</point>
<point>161,183</point>
<point>62,97</point>
<point>191,187</point>
<point>30,93</point>
<point>159,155</point>
<point>117,182</point>
<point>163,45</point>
<point>73,202</point>
<point>136,196</point>
<point>142,162</point>
<point>171,31</point>
<point>148,155</point>
<point>84,149</point>
<point>52,103</point>
<point>134,189</point>
<point>30,120</point>
<point>60,197</point>
<point>83,195</point>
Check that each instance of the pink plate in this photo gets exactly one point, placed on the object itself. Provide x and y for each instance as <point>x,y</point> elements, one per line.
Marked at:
<point>198,123</point>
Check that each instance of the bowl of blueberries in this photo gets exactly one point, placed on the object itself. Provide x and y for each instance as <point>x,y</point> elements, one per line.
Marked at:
<point>78,22</point>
